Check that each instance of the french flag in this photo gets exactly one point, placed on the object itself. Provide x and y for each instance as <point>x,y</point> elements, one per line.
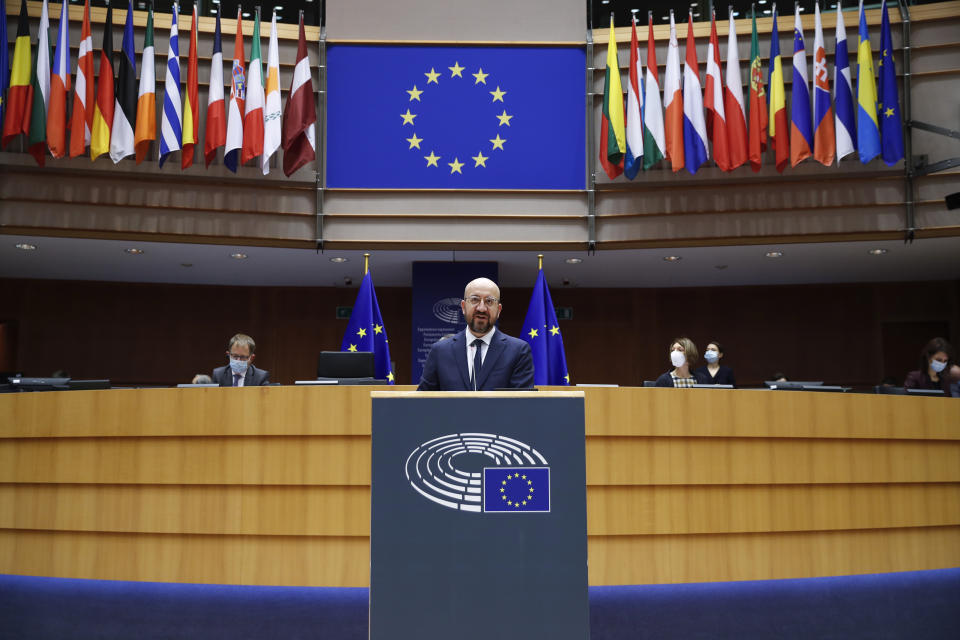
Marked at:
<point>694,125</point>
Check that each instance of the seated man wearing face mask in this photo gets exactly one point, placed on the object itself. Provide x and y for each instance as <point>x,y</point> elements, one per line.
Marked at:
<point>240,372</point>
<point>683,356</point>
<point>714,372</point>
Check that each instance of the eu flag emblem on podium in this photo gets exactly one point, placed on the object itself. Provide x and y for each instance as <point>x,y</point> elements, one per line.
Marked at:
<point>427,117</point>
<point>366,332</point>
<point>516,489</point>
<point>542,333</point>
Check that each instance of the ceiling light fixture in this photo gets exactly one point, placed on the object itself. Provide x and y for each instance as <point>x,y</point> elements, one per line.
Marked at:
<point>26,246</point>
<point>877,252</point>
<point>672,258</point>
<point>339,259</point>
<point>574,260</point>
<point>238,256</point>
<point>774,254</point>
<point>134,251</point>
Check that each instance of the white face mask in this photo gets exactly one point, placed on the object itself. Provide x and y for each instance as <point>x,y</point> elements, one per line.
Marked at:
<point>711,356</point>
<point>937,366</point>
<point>678,359</point>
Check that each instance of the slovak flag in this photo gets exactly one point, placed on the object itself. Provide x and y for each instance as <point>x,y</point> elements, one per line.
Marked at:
<point>694,126</point>
<point>824,140</point>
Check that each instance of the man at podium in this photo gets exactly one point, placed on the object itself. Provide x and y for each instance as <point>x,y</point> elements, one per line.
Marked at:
<point>481,358</point>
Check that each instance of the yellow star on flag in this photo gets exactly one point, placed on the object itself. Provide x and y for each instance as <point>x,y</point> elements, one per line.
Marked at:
<point>432,76</point>
<point>533,333</point>
<point>378,328</point>
<point>414,141</point>
<point>456,71</point>
<point>567,378</point>
<point>362,332</point>
<point>554,330</point>
<point>498,95</point>
<point>414,93</point>
<point>390,376</point>
<point>888,113</point>
<point>455,166</point>
<point>432,160</point>
<point>498,142</point>
<point>352,347</point>
<point>504,119</point>
<point>480,76</point>
<point>480,159</point>
<point>408,117</point>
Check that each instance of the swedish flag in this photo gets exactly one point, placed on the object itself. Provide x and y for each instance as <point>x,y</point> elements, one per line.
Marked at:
<point>366,331</point>
<point>542,333</point>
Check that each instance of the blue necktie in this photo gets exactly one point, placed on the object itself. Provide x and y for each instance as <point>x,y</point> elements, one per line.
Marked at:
<point>236,379</point>
<point>477,361</point>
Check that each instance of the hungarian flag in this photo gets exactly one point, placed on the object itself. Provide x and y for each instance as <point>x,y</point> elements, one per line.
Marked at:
<point>16,104</point>
<point>733,101</point>
<point>612,135</point>
<point>654,147</point>
<point>846,128</point>
<point>824,141</point>
<point>801,123</point>
<point>215,134</point>
<point>694,126</point>
<point>253,108</point>
<point>40,92</point>
<point>59,89</point>
<point>300,115</point>
<point>272,115</point>
<point>146,130</point>
<point>125,102</point>
<point>673,102</point>
<point>191,104</point>
<point>103,109</point>
<point>81,121</point>
<point>238,92</point>
<point>757,106</point>
<point>714,102</point>
<point>779,133</point>
<point>171,120</point>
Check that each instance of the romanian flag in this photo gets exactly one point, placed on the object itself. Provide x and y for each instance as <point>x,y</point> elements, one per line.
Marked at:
<point>16,104</point>
<point>891,129</point>
<point>125,102</point>
<point>779,132</point>
<point>733,101</point>
<point>59,89</point>
<point>272,113</point>
<point>238,89</point>
<point>757,106</point>
<point>81,121</point>
<point>191,104</point>
<point>801,124</point>
<point>146,130</point>
<point>40,92</point>
<point>253,107</point>
<point>846,128</point>
<point>171,119</point>
<point>868,131</point>
<point>103,109</point>
<point>633,159</point>
<point>654,146</point>
<point>613,143</point>
<point>300,115</point>
<point>673,102</point>
<point>215,134</point>
<point>714,102</point>
<point>824,141</point>
<point>694,126</point>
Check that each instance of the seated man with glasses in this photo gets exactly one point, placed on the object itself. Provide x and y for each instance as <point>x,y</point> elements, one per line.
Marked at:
<point>241,372</point>
<point>480,358</point>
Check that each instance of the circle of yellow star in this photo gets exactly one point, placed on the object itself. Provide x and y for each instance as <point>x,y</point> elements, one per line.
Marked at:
<point>390,376</point>
<point>352,347</point>
<point>888,113</point>
<point>498,142</point>
<point>498,95</point>
<point>414,142</point>
<point>480,76</point>
<point>432,76</point>
<point>378,328</point>
<point>456,71</point>
<point>480,159</point>
<point>414,93</point>
<point>455,166</point>
<point>431,159</point>
<point>362,332</point>
<point>408,117</point>
<point>533,333</point>
<point>554,330</point>
<point>504,119</point>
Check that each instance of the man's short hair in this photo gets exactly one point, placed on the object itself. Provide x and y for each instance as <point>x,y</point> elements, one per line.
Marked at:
<point>242,340</point>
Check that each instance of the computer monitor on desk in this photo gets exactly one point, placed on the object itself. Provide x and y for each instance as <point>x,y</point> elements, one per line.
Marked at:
<point>792,384</point>
<point>346,367</point>
<point>39,384</point>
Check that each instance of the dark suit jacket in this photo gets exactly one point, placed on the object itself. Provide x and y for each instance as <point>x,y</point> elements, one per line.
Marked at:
<point>254,377</point>
<point>508,364</point>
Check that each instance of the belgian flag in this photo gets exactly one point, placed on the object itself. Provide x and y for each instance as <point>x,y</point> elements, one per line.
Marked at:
<point>16,108</point>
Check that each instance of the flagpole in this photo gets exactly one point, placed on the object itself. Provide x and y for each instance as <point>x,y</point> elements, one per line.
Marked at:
<point>540,260</point>
<point>366,263</point>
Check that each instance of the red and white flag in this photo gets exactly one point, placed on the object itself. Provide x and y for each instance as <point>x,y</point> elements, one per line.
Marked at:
<point>300,114</point>
<point>82,119</point>
<point>713,101</point>
<point>733,102</point>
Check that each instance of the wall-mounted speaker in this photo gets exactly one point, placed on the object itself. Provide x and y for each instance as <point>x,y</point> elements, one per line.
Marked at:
<point>953,200</point>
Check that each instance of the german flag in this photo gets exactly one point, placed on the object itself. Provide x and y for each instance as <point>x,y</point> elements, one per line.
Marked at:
<point>19,80</point>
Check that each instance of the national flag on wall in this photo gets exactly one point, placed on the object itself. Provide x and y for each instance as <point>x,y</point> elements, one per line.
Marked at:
<point>757,107</point>
<point>868,131</point>
<point>300,115</point>
<point>673,102</point>
<point>238,92</point>
<point>824,139</point>
<point>542,332</point>
<point>801,124</point>
<point>171,122</point>
<point>846,129</point>
<point>714,103</point>
<point>103,108</point>
<point>81,120</point>
<point>654,146</point>
<point>191,104</point>
<point>365,331</point>
<point>40,91</point>
<point>215,134</point>
<point>125,105</point>
<point>733,101</point>
<point>19,88</point>
<point>59,87</point>
<point>4,62</point>
<point>891,129</point>
<point>694,126</point>
<point>779,133</point>
<point>253,108</point>
<point>633,159</point>
<point>613,143</point>
<point>146,129</point>
<point>272,115</point>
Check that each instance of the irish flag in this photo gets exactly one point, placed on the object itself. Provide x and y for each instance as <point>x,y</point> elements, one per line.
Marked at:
<point>673,102</point>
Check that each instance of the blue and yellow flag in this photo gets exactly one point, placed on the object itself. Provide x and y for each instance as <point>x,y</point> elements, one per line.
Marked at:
<point>542,333</point>
<point>891,129</point>
<point>366,331</point>
<point>868,131</point>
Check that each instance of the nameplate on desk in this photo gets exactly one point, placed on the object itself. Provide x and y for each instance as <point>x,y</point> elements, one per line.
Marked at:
<point>313,382</point>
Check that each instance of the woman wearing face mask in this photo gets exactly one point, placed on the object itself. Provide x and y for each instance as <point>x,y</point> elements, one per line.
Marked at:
<point>935,370</point>
<point>683,356</point>
<point>714,372</point>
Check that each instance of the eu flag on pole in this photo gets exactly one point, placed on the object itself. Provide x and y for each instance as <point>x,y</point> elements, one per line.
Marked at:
<point>433,117</point>
<point>542,333</point>
<point>366,331</point>
<point>891,129</point>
